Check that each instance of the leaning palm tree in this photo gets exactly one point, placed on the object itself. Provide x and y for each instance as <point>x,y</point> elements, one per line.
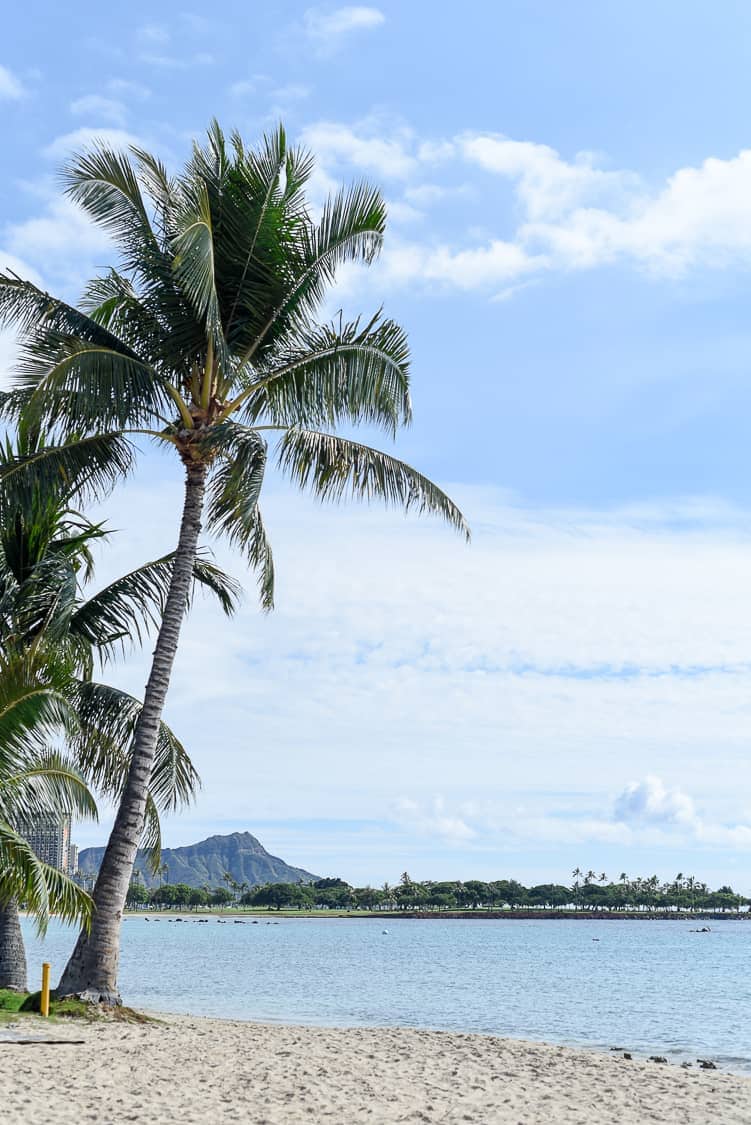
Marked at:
<point>205,338</point>
<point>47,622</point>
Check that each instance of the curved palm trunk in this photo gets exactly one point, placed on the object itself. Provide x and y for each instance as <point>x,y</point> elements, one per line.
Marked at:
<point>12,952</point>
<point>91,972</point>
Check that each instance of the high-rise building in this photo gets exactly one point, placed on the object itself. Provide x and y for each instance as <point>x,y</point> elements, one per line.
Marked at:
<point>50,839</point>
<point>72,859</point>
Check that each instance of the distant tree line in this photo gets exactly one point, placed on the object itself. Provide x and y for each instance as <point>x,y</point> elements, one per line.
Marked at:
<point>587,892</point>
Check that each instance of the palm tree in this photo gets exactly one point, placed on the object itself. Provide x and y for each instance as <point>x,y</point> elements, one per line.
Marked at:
<point>205,340</point>
<point>44,560</point>
<point>34,782</point>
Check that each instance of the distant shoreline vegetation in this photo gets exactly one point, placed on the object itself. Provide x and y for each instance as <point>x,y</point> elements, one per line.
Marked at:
<point>589,893</point>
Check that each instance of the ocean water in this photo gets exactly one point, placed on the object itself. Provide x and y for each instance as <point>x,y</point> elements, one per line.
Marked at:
<point>651,987</point>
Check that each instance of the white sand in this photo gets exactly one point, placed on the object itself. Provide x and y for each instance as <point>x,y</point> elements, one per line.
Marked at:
<point>191,1070</point>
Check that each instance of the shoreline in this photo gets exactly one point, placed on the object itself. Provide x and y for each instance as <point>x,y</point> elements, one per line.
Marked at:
<point>435,916</point>
<point>199,1071</point>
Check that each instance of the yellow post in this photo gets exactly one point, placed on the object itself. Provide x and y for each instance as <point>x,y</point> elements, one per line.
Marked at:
<point>44,1005</point>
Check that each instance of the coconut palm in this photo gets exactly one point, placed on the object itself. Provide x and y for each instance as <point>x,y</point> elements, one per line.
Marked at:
<point>206,339</point>
<point>45,561</point>
<point>34,782</point>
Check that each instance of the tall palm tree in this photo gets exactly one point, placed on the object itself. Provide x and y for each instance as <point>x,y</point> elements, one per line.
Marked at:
<point>205,339</point>
<point>45,561</point>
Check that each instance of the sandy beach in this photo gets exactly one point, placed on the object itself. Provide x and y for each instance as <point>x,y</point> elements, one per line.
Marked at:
<point>195,1070</point>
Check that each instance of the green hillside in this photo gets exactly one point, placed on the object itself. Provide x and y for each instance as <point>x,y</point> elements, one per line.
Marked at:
<point>239,854</point>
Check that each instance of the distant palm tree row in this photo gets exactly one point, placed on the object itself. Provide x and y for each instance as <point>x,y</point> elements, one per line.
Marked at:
<point>593,893</point>
<point>204,339</point>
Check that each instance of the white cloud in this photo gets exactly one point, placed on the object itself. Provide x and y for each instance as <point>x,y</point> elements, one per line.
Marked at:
<point>426,194</point>
<point>128,89</point>
<point>478,267</point>
<point>58,249</point>
<point>547,186</point>
<point>650,802</point>
<point>242,88</point>
<point>10,86</point>
<point>86,137</point>
<point>105,109</point>
<point>8,345</point>
<point>362,148</point>
<point>329,28</point>
<point>436,151</point>
<point>568,214</point>
<point>432,820</point>
<point>177,62</point>
<point>293,92</point>
<point>400,212</point>
<point>700,218</point>
<point>14,264</point>
<point>580,216</point>
<point>60,232</point>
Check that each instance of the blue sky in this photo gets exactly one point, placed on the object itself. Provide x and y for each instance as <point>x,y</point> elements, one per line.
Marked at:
<point>569,248</point>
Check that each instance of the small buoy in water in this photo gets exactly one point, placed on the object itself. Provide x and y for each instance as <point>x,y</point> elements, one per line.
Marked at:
<point>384,931</point>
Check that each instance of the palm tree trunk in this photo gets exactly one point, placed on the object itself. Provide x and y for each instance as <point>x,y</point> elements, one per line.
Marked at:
<point>91,972</point>
<point>12,952</point>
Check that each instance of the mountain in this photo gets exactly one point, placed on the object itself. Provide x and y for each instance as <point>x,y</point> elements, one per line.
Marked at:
<point>205,863</point>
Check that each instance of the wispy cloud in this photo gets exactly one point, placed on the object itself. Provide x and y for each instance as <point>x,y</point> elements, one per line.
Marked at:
<point>87,136</point>
<point>177,62</point>
<point>11,88</point>
<point>243,87</point>
<point>329,28</point>
<point>154,33</point>
<point>99,108</point>
<point>127,89</point>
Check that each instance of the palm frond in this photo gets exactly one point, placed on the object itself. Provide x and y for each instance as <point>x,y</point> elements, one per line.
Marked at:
<point>83,386</point>
<point>333,468</point>
<point>329,375</point>
<point>223,586</point>
<point>30,310</point>
<point>31,713</point>
<point>107,719</point>
<point>50,786</point>
<point>94,463</point>
<point>122,613</point>
<point>151,836</point>
<point>232,499</point>
<point>351,228</point>
<point>43,889</point>
<point>104,183</point>
<point>195,266</point>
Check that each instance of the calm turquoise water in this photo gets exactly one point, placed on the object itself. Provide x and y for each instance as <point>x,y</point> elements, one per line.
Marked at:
<point>652,987</point>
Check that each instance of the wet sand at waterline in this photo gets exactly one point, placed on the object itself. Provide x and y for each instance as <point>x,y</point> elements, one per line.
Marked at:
<point>195,1070</point>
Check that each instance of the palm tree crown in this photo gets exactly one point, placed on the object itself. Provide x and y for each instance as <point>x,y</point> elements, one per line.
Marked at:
<point>203,337</point>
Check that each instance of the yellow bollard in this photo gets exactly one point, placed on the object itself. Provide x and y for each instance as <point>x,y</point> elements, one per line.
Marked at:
<point>44,1004</point>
